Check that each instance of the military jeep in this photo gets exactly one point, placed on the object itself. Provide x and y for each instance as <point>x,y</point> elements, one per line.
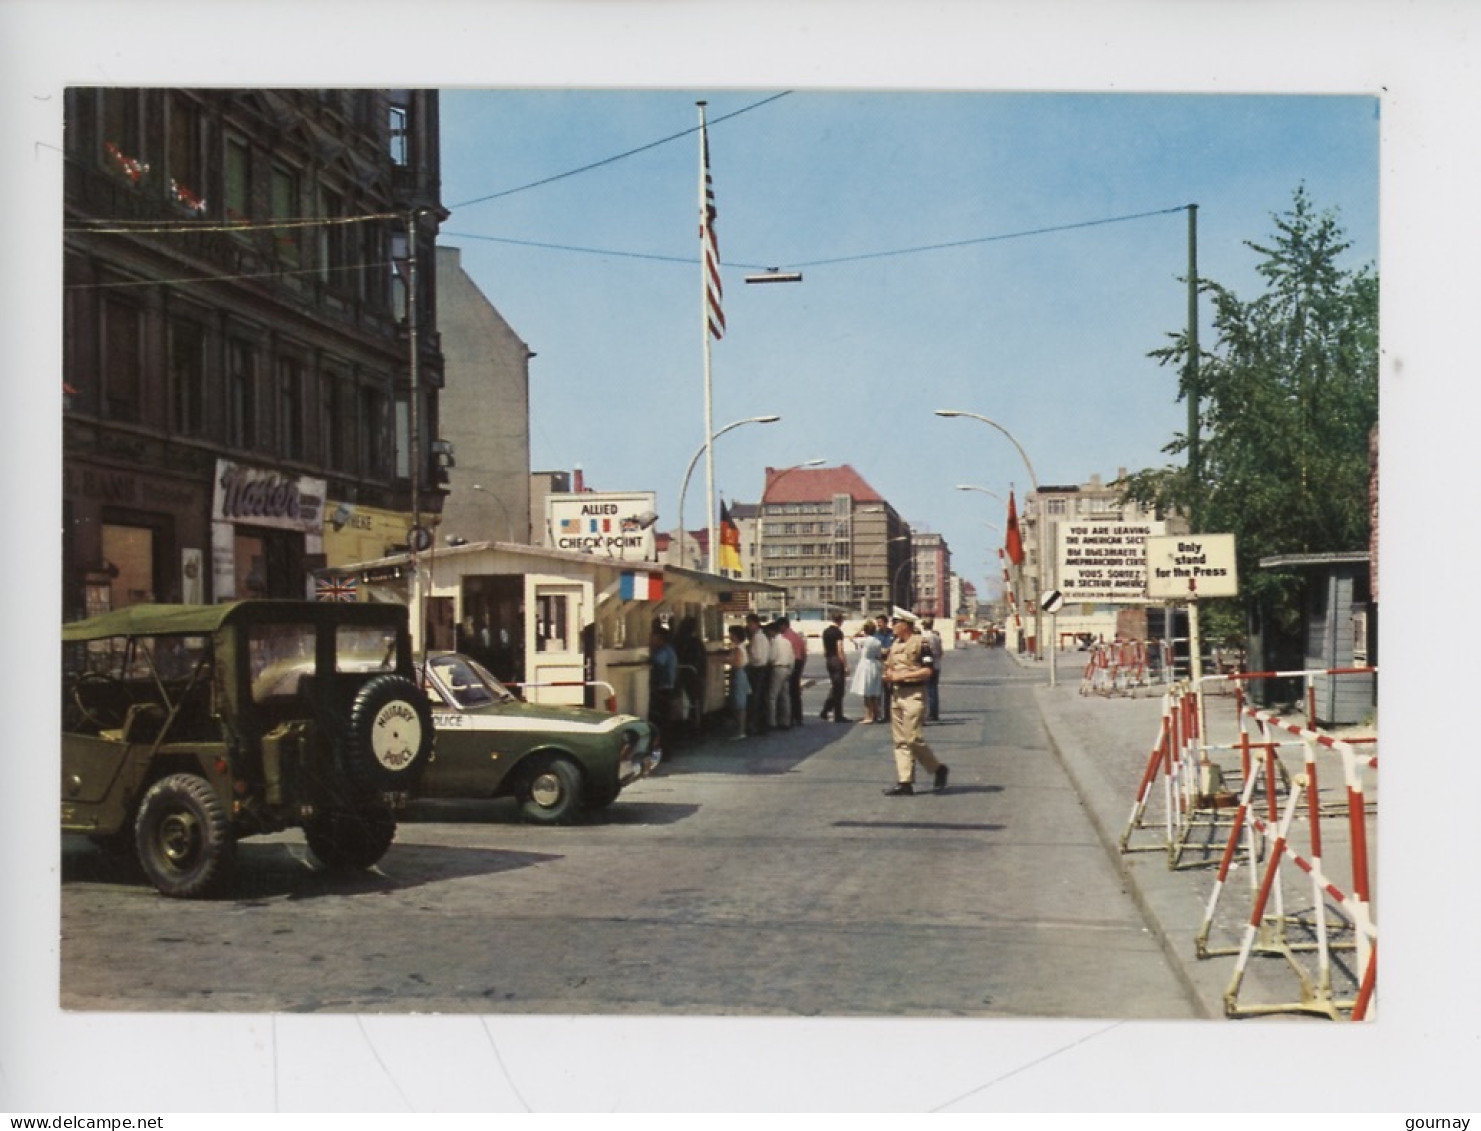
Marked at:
<point>188,727</point>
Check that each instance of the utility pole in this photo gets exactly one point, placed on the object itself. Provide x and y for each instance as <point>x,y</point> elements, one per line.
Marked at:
<point>1190,381</point>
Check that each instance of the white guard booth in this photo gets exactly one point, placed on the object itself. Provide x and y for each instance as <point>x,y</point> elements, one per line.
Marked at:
<point>558,626</point>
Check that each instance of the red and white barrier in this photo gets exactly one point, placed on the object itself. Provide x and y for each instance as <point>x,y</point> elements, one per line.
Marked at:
<point>611,693</point>
<point>1281,820</point>
<point>1117,669</point>
<point>1274,833</point>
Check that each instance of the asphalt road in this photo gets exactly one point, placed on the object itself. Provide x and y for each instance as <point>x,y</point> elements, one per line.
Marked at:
<point>764,877</point>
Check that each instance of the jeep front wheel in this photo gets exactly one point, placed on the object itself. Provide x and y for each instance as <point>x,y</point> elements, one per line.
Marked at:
<point>183,837</point>
<point>389,739</point>
<point>350,840</point>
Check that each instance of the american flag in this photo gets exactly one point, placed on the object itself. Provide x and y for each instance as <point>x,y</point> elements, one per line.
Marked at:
<point>710,245</point>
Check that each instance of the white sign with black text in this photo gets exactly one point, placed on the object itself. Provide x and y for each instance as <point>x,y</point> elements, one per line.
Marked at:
<point>1186,566</point>
<point>1105,562</point>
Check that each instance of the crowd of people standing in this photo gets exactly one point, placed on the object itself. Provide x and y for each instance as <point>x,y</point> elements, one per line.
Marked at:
<point>890,658</point>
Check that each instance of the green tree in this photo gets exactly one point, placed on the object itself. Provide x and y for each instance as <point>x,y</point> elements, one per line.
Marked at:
<point>1288,395</point>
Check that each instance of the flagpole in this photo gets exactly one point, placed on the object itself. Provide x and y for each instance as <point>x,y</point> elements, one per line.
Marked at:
<point>705,220</point>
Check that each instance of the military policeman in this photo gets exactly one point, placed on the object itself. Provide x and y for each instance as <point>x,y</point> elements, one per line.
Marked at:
<point>907,671</point>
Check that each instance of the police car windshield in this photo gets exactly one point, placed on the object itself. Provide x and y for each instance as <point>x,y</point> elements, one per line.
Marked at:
<point>467,682</point>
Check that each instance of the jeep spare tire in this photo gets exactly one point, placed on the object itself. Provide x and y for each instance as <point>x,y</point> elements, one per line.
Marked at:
<point>388,742</point>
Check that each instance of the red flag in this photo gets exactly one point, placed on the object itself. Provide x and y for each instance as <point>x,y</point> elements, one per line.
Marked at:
<point>1014,541</point>
<point>709,243</point>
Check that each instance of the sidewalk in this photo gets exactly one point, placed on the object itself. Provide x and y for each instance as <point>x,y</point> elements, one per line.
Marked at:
<point>1104,744</point>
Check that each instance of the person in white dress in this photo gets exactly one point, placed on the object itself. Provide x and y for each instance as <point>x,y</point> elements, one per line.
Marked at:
<point>868,667</point>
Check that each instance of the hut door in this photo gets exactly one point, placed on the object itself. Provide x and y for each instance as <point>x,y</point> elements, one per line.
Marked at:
<point>558,609</point>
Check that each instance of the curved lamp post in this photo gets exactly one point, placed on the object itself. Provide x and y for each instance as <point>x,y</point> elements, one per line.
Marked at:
<point>761,515</point>
<point>1040,523</point>
<point>683,490</point>
<point>504,510</point>
<point>984,490</point>
<point>882,551</point>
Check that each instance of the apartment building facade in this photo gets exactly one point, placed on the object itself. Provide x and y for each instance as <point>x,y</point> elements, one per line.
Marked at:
<point>251,363</point>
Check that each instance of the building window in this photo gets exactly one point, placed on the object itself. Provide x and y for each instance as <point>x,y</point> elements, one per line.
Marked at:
<point>241,395</point>
<point>332,393</point>
<point>131,552</point>
<point>285,207</point>
<point>187,180</point>
<point>123,136</point>
<point>122,362</point>
<point>398,130</point>
<point>236,184</point>
<point>188,377</point>
<point>334,242</point>
<point>290,408</point>
<point>369,435</point>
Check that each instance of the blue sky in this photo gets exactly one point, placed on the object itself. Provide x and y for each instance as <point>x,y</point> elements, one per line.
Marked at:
<point>1047,334</point>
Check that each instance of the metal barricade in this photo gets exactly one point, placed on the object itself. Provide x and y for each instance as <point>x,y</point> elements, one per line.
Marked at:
<point>1338,919</point>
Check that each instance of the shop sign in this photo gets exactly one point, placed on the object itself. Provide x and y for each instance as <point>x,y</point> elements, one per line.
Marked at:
<point>259,497</point>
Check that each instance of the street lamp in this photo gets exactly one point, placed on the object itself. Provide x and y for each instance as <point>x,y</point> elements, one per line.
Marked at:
<point>1039,521</point>
<point>882,551</point>
<point>683,490</point>
<point>508,521</point>
<point>761,515</point>
<point>984,490</point>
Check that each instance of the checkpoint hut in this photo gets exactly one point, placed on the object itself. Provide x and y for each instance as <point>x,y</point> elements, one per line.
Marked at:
<point>1339,632</point>
<point>558,626</point>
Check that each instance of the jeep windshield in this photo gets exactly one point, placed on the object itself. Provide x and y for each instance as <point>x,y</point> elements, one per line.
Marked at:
<point>461,682</point>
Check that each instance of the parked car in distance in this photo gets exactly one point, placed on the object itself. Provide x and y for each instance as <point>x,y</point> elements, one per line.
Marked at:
<point>188,727</point>
<point>557,761</point>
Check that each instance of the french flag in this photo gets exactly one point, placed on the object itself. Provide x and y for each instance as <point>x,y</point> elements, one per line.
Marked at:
<point>642,586</point>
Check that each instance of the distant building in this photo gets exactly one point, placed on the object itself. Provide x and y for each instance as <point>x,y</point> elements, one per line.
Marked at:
<point>831,541</point>
<point>239,393</point>
<point>930,575</point>
<point>1093,500</point>
<point>485,412</point>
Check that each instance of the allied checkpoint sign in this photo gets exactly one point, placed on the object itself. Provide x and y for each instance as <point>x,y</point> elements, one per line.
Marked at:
<point>1105,563</point>
<point>1184,567</point>
<point>608,524</point>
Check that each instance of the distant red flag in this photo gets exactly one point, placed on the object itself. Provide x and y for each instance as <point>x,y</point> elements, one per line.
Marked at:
<point>710,244</point>
<point>1014,541</point>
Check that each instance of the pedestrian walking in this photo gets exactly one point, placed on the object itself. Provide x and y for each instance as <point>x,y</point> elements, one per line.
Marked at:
<point>663,681</point>
<point>907,670</point>
<point>779,705</point>
<point>758,672</point>
<point>867,669</point>
<point>933,688</point>
<point>739,696</point>
<point>836,661</point>
<point>799,661</point>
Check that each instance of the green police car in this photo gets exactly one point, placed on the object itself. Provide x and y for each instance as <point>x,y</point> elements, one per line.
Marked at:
<point>557,761</point>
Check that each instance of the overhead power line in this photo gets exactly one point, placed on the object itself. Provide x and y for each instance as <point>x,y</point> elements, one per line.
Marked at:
<point>919,249</point>
<point>617,157</point>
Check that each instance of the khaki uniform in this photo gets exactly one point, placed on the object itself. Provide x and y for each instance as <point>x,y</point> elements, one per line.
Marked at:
<point>908,708</point>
